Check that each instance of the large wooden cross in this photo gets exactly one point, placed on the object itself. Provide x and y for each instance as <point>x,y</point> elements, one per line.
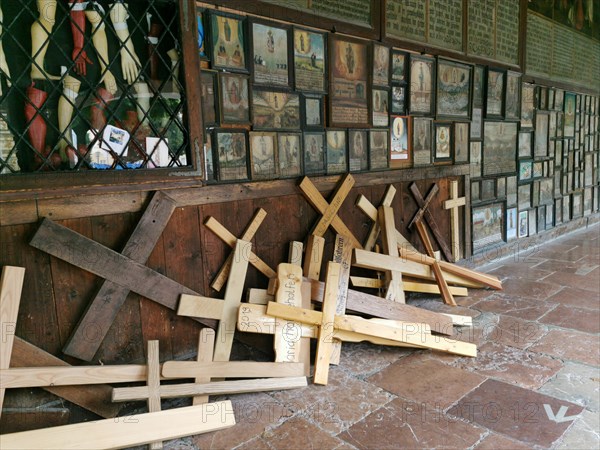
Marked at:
<point>424,213</point>
<point>102,310</point>
<point>453,204</point>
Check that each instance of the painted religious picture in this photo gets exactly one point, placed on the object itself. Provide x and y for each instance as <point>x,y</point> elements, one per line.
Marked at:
<point>233,92</point>
<point>313,112</point>
<point>349,88</point>
<point>476,131</point>
<point>290,154</point>
<point>200,15</point>
<point>513,96</point>
<point>398,99</point>
<point>527,105</point>
<point>523,224</point>
<point>336,151</point>
<point>442,142</point>
<point>542,124</point>
<point>400,142</point>
<point>421,141</point>
<point>263,159</point>
<point>569,116</point>
<point>378,149</point>
<point>478,86</point>
<point>309,60</point>
<point>275,110</point>
<point>495,90</point>
<point>358,158</point>
<point>525,138</point>
<point>461,142</point>
<point>231,155</point>
<point>399,66</point>
<point>380,108</point>
<point>453,95</point>
<point>475,159</point>
<point>270,59</point>
<point>422,77</point>
<point>314,153</point>
<point>381,65</point>
<point>499,148</point>
<point>487,225</point>
<point>525,170</point>
<point>228,41</point>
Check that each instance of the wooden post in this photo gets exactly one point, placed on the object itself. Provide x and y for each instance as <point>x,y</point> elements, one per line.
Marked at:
<point>395,287</point>
<point>453,204</point>
<point>206,348</point>
<point>154,385</point>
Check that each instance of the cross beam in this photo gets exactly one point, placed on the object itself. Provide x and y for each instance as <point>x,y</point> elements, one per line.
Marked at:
<point>453,204</point>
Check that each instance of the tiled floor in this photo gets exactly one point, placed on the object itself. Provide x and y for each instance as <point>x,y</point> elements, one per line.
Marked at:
<point>535,383</point>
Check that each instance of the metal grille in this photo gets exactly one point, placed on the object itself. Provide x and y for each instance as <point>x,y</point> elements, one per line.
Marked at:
<point>91,85</point>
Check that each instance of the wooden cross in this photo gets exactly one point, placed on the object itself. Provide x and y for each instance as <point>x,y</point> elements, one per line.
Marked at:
<point>89,255</point>
<point>453,204</point>
<point>102,310</point>
<point>248,235</point>
<point>424,212</point>
<point>154,384</point>
<point>393,278</point>
<point>226,236</point>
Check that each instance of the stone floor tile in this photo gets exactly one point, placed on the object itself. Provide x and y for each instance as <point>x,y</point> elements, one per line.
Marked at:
<point>559,255</point>
<point>526,369</point>
<point>511,305</point>
<point>298,433</point>
<point>516,332</point>
<point>536,290</point>
<point>430,382</point>
<point>344,401</point>
<point>576,383</point>
<point>569,346</point>
<point>253,414</point>
<point>438,306</point>
<point>552,265</point>
<point>579,298</point>
<point>515,412</point>
<point>574,318</point>
<point>590,282</point>
<point>584,434</point>
<point>363,359</point>
<point>254,444</point>
<point>495,441</point>
<point>409,425</point>
<point>514,270</point>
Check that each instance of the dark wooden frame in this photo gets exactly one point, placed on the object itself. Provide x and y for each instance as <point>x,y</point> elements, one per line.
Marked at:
<point>512,157</point>
<point>216,98</point>
<point>388,110</point>
<point>400,163</point>
<point>487,114</point>
<point>523,162</point>
<point>444,115</point>
<point>406,56</point>
<point>325,60</point>
<point>389,65</point>
<point>305,126</point>
<point>445,159</point>
<point>387,148</point>
<point>454,137</point>
<point>364,166</point>
<point>244,24</point>
<point>221,77</point>
<point>255,175</point>
<point>502,226</point>
<point>517,116</point>
<point>326,143</point>
<point>305,148</point>
<point>289,54</point>
<point>432,61</point>
<point>216,158</point>
<point>415,137</point>
<point>256,91</point>
<point>281,170</point>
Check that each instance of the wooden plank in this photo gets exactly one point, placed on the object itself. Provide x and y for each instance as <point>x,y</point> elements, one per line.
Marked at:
<point>439,276</point>
<point>409,286</point>
<point>453,204</point>
<point>388,197</point>
<point>154,385</point>
<point>314,257</point>
<point>341,192</point>
<point>342,254</point>
<point>423,204</point>
<point>127,431</point>
<point>460,321</point>
<point>417,337</point>
<point>11,286</point>
<point>314,197</point>
<point>248,235</point>
<point>225,235</point>
<point>14,213</point>
<point>259,296</point>
<point>196,306</point>
<point>231,303</point>
<point>231,369</point>
<point>286,345</point>
<point>71,375</point>
<point>295,253</point>
<point>80,251</point>
<point>377,261</point>
<point>102,310</point>
<point>395,288</point>
<point>93,398</point>
<point>206,348</point>
<point>374,306</point>
<point>325,341</point>
<point>214,388</point>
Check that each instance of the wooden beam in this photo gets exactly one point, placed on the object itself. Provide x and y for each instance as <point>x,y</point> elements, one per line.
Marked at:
<point>89,255</point>
<point>231,369</point>
<point>423,205</point>
<point>409,286</point>
<point>197,306</point>
<point>325,340</point>
<point>362,202</point>
<point>226,236</point>
<point>11,286</point>
<point>247,235</point>
<point>287,348</point>
<point>341,192</point>
<point>314,257</point>
<point>417,337</point>
<point>393,278</point>
<point>259,296</point>
<point>104,307</point>
<point>314,197</point>
<point>127,431</point>
<point>94,398</point>
<point>215,388</point>
<point>206,348</point>
<point>295,251</point>
<point>453,204</point>
<point>154,385</point>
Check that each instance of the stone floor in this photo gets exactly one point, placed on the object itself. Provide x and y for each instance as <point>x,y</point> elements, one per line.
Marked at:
<point>535,383</point>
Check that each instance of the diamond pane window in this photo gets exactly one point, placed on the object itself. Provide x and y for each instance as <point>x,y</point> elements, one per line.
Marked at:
<point>91,85</point>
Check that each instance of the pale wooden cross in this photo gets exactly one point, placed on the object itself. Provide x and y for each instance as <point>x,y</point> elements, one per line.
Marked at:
<point>393,278</point>
<point>453,204</point>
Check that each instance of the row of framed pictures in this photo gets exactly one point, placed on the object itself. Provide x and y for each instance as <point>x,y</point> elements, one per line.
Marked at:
<point>497,222</point>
